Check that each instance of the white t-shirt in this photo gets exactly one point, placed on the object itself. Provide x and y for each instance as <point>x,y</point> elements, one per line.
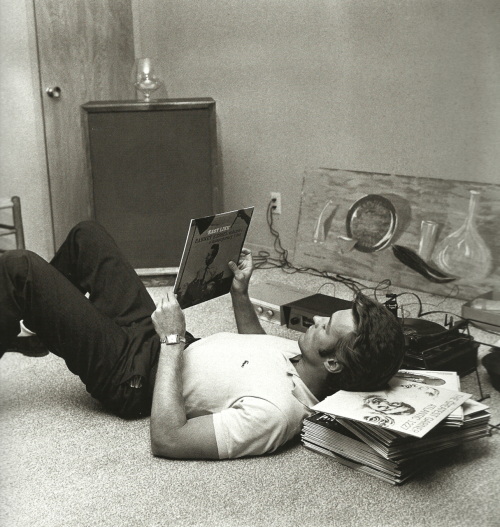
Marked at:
<point>250,386</point>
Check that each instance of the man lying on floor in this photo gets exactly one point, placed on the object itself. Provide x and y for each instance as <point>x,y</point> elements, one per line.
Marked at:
<point>224,396</point>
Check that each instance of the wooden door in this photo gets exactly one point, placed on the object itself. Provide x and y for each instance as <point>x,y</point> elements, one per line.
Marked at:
<point>86,49</point>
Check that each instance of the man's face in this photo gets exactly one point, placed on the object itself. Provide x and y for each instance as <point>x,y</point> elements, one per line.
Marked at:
<point>325,332</point>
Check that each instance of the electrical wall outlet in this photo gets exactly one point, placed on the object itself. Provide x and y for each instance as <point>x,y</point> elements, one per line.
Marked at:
<point>276,202</point>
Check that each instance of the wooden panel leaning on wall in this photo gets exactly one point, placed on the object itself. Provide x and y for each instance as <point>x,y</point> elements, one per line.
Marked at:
<point>432,235</point>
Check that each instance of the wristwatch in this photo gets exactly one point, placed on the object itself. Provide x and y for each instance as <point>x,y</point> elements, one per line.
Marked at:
<point>172,339</point>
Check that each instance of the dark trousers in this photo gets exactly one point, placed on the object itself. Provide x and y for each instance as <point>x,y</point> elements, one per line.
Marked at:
<point>106,338</point>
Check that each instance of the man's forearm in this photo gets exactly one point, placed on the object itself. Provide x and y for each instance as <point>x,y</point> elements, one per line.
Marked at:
<point>172,434</point>
<point>247,320</point>
<point>168,413</point>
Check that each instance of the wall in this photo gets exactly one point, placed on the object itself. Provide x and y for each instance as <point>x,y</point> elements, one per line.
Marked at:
<point>23,169</point>
<point>394,86</point>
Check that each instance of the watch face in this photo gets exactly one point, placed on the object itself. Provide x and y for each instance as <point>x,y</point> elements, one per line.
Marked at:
<point>173,339</point>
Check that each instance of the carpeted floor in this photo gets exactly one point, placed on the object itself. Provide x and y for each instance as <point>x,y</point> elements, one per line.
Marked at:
<point>66,462</point>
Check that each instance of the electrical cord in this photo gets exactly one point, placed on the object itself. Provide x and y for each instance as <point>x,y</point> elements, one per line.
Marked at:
<point>263,260</point>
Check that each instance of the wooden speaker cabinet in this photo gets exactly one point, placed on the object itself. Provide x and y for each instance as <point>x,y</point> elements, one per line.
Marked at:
<point>153,167</point>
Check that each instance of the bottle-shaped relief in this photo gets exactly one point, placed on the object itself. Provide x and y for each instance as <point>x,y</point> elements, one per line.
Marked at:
<point>464,253</point>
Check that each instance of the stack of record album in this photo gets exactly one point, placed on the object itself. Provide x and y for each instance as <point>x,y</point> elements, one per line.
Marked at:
<point>322,433</point>
<point>392,434</point>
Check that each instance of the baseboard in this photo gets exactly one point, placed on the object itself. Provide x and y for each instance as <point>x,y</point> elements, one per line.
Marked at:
<point>158,281</point>
<point>157,271</point>
<point>158,277</point>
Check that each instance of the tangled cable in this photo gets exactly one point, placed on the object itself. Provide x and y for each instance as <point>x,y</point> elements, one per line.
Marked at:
<point>264,260</point>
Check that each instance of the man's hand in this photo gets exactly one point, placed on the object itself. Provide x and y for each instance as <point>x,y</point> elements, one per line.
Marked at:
<point>168,318</point>
<point>242,272</point>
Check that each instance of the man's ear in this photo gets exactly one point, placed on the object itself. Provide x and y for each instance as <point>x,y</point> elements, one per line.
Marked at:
<point>332,366</point>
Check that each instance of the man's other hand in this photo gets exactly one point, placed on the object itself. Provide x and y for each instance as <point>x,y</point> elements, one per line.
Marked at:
<point>168,318</point>
<point>242,272</point>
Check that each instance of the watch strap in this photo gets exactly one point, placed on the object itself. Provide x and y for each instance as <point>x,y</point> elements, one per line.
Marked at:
<point>172,339</point>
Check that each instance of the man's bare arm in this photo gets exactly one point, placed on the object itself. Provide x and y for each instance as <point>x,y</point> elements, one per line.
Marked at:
<point>247,320</point>
<point>172,434</point>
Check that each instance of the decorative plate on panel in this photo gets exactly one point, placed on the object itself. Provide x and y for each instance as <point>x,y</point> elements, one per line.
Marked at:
<point>371,222</point>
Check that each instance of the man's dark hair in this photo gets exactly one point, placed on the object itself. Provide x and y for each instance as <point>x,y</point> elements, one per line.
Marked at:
<point>372,353</point>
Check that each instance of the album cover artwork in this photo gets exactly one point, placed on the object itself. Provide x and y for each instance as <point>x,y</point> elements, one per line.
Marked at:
<point>211,243</point>
<point>447,379</point>
<point>406,407</point>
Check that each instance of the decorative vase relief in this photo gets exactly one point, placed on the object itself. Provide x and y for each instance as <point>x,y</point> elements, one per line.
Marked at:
<point>464,253</point>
